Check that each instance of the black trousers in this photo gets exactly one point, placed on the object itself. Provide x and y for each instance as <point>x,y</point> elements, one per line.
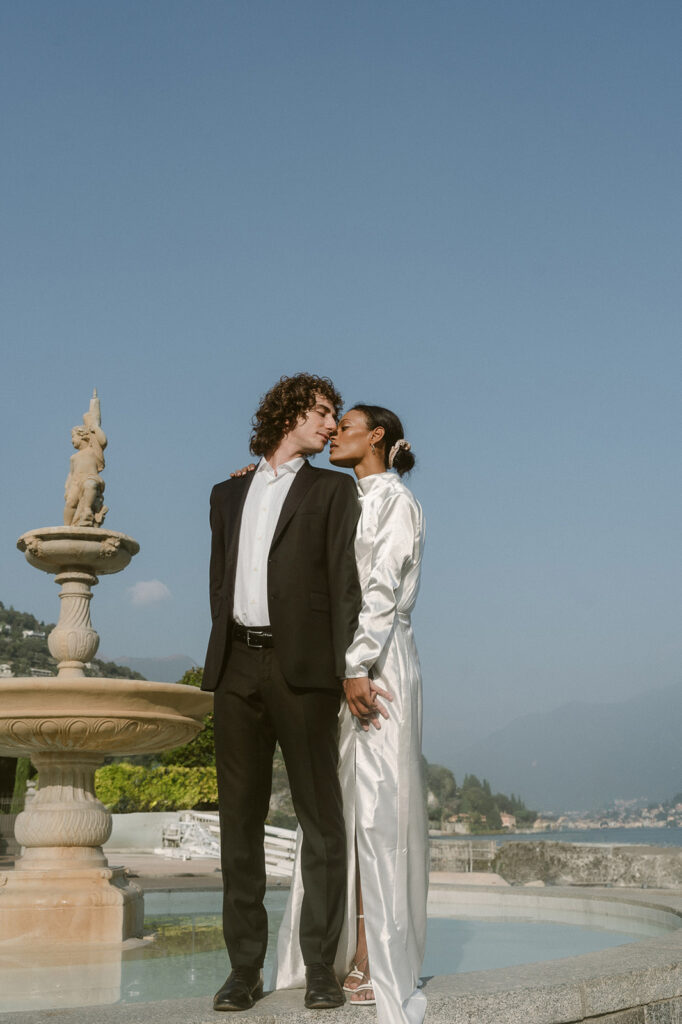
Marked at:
<point>254,708</point>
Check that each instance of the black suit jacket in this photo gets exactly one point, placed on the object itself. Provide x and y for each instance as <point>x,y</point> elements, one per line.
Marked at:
<point>313,588</point>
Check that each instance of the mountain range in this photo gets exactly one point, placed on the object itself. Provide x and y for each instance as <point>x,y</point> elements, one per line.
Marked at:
<point>584,755</point>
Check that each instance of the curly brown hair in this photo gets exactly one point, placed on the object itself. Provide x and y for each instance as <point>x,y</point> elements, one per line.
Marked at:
<point>288,400</point>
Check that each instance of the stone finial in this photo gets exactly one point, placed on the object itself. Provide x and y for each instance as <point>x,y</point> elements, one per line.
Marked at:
<point>84,488</point>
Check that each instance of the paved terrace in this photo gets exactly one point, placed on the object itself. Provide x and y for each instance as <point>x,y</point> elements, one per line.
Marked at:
<point>640,983</point>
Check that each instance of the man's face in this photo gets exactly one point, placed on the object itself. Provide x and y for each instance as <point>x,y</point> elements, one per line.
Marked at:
<point>312,431</point>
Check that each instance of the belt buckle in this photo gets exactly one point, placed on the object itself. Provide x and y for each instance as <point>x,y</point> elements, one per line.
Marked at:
<point>249,632</point>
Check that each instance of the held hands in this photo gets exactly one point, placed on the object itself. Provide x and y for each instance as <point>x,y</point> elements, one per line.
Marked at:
<point>244,470</point>
<point>361,695</point>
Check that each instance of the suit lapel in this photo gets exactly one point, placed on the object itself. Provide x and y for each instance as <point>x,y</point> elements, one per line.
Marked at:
<point>237,499</point>
<point>305,478</point>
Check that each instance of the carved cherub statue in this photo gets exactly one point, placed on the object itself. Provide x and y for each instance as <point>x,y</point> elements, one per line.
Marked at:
<point>84,504</point>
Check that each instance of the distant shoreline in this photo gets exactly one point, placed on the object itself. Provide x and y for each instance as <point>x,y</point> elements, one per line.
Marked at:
<point>611,836</point>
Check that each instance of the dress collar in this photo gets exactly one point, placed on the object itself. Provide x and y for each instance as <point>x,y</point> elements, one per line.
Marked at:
<point>368,482</point>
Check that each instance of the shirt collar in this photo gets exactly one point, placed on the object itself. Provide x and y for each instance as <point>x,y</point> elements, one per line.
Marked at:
<point>292,466</point>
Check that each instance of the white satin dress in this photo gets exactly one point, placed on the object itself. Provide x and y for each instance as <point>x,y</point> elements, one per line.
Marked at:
<point>381,770</point>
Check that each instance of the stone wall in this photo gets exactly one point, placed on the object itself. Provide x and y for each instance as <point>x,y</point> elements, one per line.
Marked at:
<point>654,867</point>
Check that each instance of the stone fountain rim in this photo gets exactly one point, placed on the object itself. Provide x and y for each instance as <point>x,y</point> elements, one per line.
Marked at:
<point>99,685</point>
<point>85,699</point>
<point>78,533</point>
<point>86,696</point>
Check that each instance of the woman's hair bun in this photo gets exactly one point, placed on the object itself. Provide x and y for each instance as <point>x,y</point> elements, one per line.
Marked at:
<point>403,460</point>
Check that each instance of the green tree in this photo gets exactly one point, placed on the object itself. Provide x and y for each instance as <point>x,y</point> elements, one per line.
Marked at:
<point>514,805</point>
<point>441,782</point>
<point>478,802</point>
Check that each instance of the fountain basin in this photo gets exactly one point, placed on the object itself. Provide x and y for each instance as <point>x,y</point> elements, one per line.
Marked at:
<point>637,982</point>
<point>106,716</point>
<point>91,549</point>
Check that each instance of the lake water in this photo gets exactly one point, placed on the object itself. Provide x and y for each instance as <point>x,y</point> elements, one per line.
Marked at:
<point>610,836</point>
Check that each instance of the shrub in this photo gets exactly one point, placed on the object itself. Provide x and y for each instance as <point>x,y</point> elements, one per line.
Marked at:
<point>125,788</point>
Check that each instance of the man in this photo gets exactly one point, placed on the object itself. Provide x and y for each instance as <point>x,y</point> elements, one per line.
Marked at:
<point>284,601</point>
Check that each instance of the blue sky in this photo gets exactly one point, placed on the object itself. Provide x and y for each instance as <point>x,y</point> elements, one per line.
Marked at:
<point>469,212</point>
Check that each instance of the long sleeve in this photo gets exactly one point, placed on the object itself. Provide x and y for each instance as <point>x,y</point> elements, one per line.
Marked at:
<point>392,551</point>
<point>344,594</point>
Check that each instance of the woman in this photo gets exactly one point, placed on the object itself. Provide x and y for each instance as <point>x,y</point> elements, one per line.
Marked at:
<point>380,767</point>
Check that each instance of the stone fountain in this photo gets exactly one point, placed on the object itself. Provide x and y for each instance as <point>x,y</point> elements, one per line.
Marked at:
<point>62,888</point>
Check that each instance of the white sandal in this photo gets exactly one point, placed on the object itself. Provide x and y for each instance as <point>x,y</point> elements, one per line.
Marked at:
<point>354,972</point>
<point>367,987</point>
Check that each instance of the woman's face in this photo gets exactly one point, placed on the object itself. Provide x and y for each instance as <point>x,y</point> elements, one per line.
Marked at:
<point>350,443</point>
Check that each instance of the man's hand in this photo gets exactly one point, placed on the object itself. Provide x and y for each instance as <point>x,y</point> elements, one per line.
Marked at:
<point>244,470</point>
<point>361,695</point>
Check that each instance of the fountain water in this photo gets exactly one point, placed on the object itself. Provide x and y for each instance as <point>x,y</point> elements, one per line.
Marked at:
<point>62,888</point>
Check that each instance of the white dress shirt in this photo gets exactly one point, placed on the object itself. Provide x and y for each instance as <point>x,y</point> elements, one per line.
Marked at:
<point>261,511</point>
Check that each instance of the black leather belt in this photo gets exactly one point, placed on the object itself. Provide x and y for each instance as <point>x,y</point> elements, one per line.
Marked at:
<point>252,636</point>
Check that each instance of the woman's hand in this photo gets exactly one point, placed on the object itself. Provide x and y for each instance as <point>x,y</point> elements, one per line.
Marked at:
<point>244,470</point>
<point>361,695</point>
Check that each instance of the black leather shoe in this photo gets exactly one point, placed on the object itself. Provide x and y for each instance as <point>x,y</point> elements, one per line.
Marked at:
<point>241,990</point>
<point>322,989</point>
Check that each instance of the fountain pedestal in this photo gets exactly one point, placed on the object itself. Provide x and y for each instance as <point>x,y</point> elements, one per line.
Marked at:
<point>63,881</point>
<point>62,888</point>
